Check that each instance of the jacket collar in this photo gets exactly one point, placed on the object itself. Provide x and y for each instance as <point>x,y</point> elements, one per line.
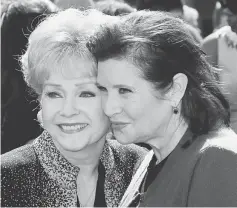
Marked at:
<point>61,170</point>
<point>54,163</point>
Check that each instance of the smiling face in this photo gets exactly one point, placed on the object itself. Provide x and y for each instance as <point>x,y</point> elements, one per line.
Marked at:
<point>138,113</point>
<point>71,108</point>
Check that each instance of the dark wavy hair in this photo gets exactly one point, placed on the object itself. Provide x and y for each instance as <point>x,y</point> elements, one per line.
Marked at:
<point>161,46</point>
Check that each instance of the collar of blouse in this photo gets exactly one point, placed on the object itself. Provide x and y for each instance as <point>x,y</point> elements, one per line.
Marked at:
<point>61,170</point>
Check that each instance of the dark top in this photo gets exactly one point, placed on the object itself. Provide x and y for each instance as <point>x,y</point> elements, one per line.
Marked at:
<point>199,172</point>
<point>99,194</point>
<point>152,172</point>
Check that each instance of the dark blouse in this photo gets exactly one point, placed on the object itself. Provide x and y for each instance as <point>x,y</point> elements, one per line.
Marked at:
<point>99,194</point>
<point>153,171</point>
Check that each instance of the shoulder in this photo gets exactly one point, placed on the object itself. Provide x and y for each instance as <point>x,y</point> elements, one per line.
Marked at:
<point>17,162</point>
<point>19,156</point>
<point>18,169</point>
<point>224,139</point>
<point>221,143</point>
<point>213,180</point>
<point>219,150</point>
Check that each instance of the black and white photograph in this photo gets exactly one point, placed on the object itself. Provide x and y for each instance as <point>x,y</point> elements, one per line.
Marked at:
<point>118,103</point>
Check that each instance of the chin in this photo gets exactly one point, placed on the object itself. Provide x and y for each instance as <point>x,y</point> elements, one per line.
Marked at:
<point>73,147</point>
<point>122,139</point>
<point>72,144</point>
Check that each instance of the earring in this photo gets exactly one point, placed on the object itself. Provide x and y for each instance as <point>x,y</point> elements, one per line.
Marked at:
<point>175,110</point>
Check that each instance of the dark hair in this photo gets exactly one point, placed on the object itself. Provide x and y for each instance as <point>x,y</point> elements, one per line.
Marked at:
<point>159,5</point>
<point>161,47</point>
<point>19,19</point>
<point>195,33</point>
<point>132,3</point>
<point>113,8</point>
<point>230,4</point>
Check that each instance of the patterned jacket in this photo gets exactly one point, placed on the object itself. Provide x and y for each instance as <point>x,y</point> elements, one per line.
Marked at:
<point>38,175</point>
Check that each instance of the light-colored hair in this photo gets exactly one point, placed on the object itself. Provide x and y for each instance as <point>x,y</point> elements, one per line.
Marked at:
<point>57,42</point>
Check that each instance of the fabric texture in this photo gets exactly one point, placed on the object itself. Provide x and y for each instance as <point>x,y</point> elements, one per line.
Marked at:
<point>38,175</point>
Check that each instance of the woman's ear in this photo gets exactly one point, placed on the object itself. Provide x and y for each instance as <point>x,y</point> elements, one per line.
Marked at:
<point>39,114</point>
<point>39,117</point>
<point>176,92</point>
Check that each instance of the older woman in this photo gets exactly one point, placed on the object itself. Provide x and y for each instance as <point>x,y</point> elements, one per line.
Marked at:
<point>159,89</point>
<point>72,163</point>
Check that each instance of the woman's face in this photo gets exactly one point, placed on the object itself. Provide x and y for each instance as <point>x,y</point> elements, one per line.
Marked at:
<point>138,113</point>
<point>71,108</point>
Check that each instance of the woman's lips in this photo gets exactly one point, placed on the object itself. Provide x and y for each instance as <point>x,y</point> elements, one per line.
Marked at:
<point>118,125</point>
<point>72,128</point>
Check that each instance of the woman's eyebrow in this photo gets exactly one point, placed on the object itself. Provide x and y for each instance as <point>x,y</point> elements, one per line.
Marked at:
<point>52,85</point>
<point>122,86</point>
<point>85,83</point>
<point>117,86</point>
<point>98,84</point>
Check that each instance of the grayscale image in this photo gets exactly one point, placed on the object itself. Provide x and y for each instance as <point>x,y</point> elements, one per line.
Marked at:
<point>119,103</point>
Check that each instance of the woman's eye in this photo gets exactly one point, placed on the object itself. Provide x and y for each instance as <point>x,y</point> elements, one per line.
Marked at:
<point>124,90</point>
<point>87,94</point>
<point>53,95</point>
<point>102,89</point>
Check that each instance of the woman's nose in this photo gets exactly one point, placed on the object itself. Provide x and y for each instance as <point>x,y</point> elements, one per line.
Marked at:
<point>112,106</point>
<point>69,108</point>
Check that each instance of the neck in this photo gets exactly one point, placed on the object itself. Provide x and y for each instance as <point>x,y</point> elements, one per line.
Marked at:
<point>164,145</point>
<point>86,159</point>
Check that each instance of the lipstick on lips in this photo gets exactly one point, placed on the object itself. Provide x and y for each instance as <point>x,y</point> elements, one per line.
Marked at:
<point>71,128</point>
<point>117,125</point>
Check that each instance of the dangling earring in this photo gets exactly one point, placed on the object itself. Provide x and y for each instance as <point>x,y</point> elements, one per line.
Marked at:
<point>175,110</point>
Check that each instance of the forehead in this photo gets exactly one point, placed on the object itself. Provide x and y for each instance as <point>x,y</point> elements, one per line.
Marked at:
<point>73,67</point>
<point>120,70</point>
<point>61,80</point>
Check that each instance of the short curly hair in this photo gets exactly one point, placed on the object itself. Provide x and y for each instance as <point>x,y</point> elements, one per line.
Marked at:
<point>57,41</point>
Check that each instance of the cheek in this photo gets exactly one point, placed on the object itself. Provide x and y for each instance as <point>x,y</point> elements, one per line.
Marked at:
<point>133,111</point>
<point>103,101</point>
<point>49,109</point>
<point>137,107</point>
<point>149,112</point>
<point>96,113</point>
<point>101,105</point>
